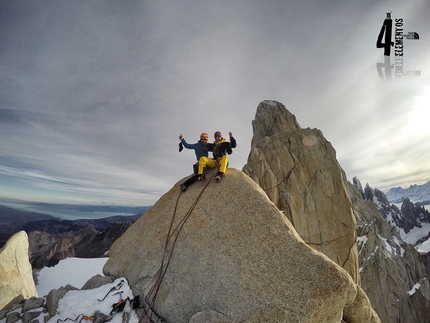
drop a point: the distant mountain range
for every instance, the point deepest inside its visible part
(415, 193)
(72, 211)
(52, 239)
(13, 220)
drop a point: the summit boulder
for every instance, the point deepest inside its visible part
(232, 256)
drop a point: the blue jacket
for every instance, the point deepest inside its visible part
(199, 148)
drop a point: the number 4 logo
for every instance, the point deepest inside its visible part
(387, 29)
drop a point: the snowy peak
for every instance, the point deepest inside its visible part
(415, 193)
(385, 260)
(410, 219)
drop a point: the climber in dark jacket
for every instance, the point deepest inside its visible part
(200, 149)
(220, 149)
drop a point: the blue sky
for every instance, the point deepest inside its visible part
(94, 94)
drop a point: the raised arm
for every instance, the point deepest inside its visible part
(186, 144)
(232, 140)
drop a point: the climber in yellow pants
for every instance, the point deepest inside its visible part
(220, 148)
(212, 163)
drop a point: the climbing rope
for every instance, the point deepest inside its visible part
(117, 287)
(78, 319)
(152, 294)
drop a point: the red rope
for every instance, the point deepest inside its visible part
(152, 294)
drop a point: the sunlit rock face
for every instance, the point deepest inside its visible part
(16, 277)
(237, 258)
(298, 170)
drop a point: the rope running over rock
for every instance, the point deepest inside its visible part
(152, 294)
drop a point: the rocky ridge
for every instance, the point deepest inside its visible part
(392, 271)
(415, 193)
(12, 221)
(411, 220)
(47, 249)
(52, 239)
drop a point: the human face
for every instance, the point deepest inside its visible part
(218, 138)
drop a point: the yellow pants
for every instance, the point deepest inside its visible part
(204, 161)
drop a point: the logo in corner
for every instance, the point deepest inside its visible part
(385, 40)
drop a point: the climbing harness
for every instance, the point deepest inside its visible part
(172, 236)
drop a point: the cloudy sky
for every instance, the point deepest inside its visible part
(94, 94)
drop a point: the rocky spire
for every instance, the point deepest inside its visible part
(272, 117)
(298, 170)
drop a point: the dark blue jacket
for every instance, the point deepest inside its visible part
(199, 148)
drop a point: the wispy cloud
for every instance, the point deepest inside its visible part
(93, 95)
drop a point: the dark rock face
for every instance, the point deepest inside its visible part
(381, 196)
(393, 274)
(11, 221)
(368, 193)
(52, 239)
(48, 249)
(409, 216)
(413, 215)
